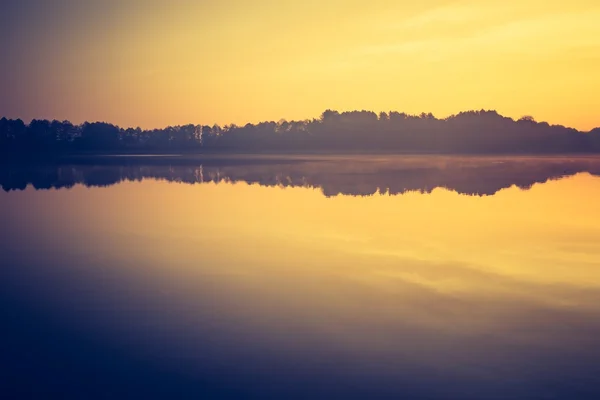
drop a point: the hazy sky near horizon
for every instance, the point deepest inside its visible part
(153, 63)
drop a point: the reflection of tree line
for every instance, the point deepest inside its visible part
(354, 131)
(474, 176)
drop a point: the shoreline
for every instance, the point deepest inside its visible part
(185, 158)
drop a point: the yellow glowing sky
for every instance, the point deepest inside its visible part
(156, 63)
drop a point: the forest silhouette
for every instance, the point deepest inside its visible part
(354, 175)
(479, 132)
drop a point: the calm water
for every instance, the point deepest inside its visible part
(380, 277)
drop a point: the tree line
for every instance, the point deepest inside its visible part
(354, 131)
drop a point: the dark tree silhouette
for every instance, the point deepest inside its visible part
(354, 131)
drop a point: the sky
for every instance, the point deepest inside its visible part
(153, 63)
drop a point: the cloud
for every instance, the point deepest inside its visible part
(463, 30)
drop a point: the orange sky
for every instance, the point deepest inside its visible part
(155, 63)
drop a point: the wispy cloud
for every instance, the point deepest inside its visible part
(534, 35)
(447, 14)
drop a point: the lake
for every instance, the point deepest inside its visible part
(417, 277)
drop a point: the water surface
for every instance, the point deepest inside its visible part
(358, 277)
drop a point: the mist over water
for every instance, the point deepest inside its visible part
(319, 277)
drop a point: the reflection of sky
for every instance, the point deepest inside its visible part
(419, 293)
